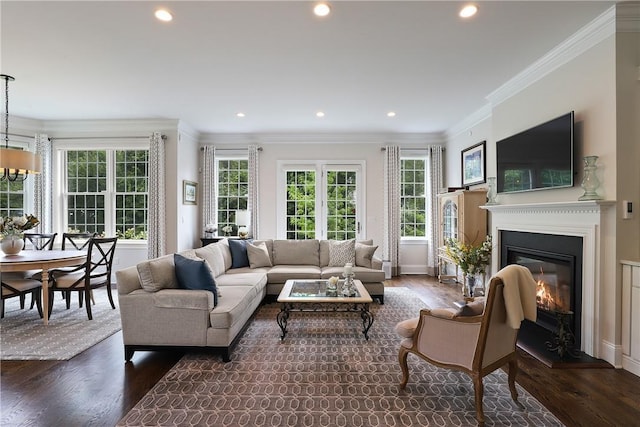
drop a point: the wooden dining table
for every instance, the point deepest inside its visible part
(45, 261)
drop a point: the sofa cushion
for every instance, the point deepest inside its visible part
(296, 252)
(213, 255)
(472, 308)
(239, 257)
(365, 275)
(282, 273)
(364, 254)
(233, 307)
(258, 255)
(342, 252)
(157, 273)
(195, 275)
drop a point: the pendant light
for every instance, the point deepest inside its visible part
(15, 164)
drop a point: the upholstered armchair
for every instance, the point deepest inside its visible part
(479, 338)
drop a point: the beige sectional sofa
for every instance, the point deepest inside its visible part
(157, 314)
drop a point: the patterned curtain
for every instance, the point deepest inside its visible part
(435, 182)
(157, 202)
(252, 204)
(209, 207)
(43, 182)
(392, 207)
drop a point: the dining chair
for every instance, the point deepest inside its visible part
(20, 287)
(40, 241)
(76, 241)
(21, 284)
(94, 273)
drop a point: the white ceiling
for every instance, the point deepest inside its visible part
(274, 61)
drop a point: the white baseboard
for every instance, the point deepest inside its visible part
(631, 365)
(612, 353)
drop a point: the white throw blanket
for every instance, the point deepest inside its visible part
(519, 294)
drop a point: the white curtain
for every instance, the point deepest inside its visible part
(43, 182)
(254, 191)
(157, 199)
(209, 207)
(392, 207)
(435, 182)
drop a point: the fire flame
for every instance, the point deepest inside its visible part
(546, 295)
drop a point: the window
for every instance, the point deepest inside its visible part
(413, 197)
(233, 189)
(320, 201)
(11, 198)
(106, 192)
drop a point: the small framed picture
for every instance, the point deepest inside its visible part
(189, 193)
(474, 164)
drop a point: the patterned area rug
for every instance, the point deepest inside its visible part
(326, 374)
(70, 332)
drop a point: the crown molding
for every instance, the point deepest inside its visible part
(584, 39)
(106, 128)
(472, 120)
(323, 138)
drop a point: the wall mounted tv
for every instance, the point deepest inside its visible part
(539, 158)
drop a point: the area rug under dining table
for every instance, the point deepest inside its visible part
(24, 336)
(324, 373)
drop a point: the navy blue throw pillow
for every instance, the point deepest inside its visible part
(239, 257)
(195, 275)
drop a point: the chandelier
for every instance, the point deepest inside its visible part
(15, 164)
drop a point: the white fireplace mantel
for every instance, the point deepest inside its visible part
(586, 219)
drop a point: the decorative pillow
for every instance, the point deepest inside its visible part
(239, 257)
(474, 308)
(258, 255)
(156, 274)
(342, 252)
(364, 254)
(195, 274)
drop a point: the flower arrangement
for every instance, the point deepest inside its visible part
(227, 229)
(17, 225)
(472, 259)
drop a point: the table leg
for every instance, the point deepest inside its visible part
(45, 296)
(367, 320)
(281, 318)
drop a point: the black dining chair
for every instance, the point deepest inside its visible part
(21, 284)
(94, 273)
(40, 241)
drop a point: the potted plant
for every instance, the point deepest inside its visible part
(12, 231)
(472, 259)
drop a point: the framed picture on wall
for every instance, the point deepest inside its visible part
(474, 164)
(189, 192)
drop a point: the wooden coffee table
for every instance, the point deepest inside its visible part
(311, 295)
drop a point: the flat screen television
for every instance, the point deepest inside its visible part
(539, 158)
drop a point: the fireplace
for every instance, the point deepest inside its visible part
(555, 261)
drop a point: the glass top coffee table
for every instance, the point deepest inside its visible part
(312, 295)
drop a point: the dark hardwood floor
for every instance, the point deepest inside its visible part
(97, 388)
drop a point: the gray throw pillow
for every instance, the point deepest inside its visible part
(258, 255)
(342, 252)
(364, 254)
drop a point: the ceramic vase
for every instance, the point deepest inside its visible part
(12, 245)
(491, 194)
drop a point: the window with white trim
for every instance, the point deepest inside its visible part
(320, 200)
(232, 189)
(105, 191)
(413, 197)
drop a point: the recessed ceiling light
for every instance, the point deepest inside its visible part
(391, 114)
(468, 11)
(164, 15)
(320, 114)
(322, 9)
(240, 114)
